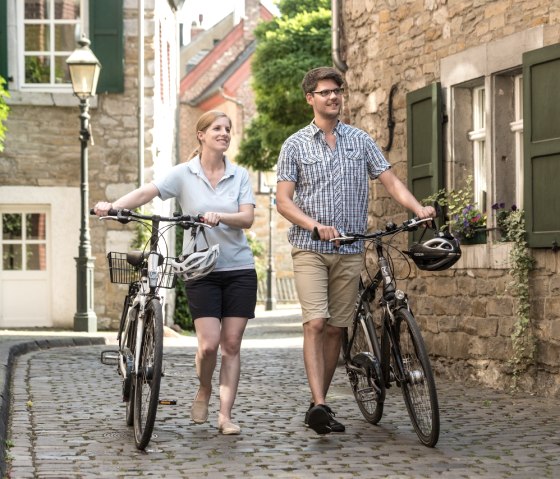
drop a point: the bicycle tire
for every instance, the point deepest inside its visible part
(148, 379)
(418, 386)
(362, 365)
(131, 344)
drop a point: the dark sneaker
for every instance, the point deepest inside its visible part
(307, 414)
(335, 425)
(319, 419)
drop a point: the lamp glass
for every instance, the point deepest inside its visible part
(84, 79)
(84, 71)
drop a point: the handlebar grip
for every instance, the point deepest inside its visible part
(315, 236)
(91, 211)
(113, 212)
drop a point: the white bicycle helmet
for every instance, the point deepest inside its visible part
(192, 264)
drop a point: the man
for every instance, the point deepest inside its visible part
(327, 165)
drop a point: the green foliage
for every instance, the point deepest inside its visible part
(521, 263)
(502, 219)
(463, 218)
(141, 237)
(287, 47)
(4, 109)
(36, 71)
(257, 248)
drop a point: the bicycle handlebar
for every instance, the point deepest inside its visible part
(125, 216)
(391, 228)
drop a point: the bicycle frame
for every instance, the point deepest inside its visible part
(140, 339)
(391, 350)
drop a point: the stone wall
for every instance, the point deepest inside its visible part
(467, 313)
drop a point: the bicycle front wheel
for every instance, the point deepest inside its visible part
(362, 364)
(128, 383)
(418, 385)
(147, 381)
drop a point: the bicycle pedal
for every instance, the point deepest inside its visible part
(168, 402)
(110, 357)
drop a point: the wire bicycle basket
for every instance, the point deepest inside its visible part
(122, 272)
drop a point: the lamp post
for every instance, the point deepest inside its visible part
(270, 183)
(84, 72)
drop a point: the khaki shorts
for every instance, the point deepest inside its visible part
(327, 285)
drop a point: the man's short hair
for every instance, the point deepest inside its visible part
(313, 77)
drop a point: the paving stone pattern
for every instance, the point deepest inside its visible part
(67, 421)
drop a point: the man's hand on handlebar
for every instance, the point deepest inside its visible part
(426, 212)
(325, 233)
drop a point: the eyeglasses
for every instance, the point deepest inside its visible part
(327, 93)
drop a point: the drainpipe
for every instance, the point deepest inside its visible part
(336, 34)
(140, 93)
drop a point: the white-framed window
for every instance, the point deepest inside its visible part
(478, 138)
(46, 32)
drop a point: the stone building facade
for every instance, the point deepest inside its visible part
(468, 49)
(134, 129)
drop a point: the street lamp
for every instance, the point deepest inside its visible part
(270, 184)
(84, 72)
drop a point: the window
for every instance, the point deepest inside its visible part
(23, 241)
(37, 36)
(49, 29)
(500, 125)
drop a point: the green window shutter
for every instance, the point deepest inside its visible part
(424, 119)
(4, 40)
(107, 42)
(541, 139)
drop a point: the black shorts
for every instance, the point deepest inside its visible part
(222, 294)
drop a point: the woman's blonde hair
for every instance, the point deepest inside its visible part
(203, 123)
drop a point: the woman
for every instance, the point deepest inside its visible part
(221, 302)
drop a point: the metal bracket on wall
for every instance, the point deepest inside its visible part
(390, 118)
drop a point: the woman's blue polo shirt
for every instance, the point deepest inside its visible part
(195, 194)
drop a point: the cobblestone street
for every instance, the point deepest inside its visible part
(67, 421)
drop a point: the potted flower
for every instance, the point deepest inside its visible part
(463, 218)
(469, 224)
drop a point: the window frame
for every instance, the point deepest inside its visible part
(24, 241)
(478, 138)
(487, 64)
(516, 127)
(16, 56)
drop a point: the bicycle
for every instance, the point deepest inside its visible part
(390, 350)
(139, 356)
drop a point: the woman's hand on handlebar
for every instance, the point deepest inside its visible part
(102, 208)
(211, 218)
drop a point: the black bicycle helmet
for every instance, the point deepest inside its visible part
(436, 254)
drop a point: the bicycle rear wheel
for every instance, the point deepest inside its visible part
(362, 365)
(418, 385)
(147, 381)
